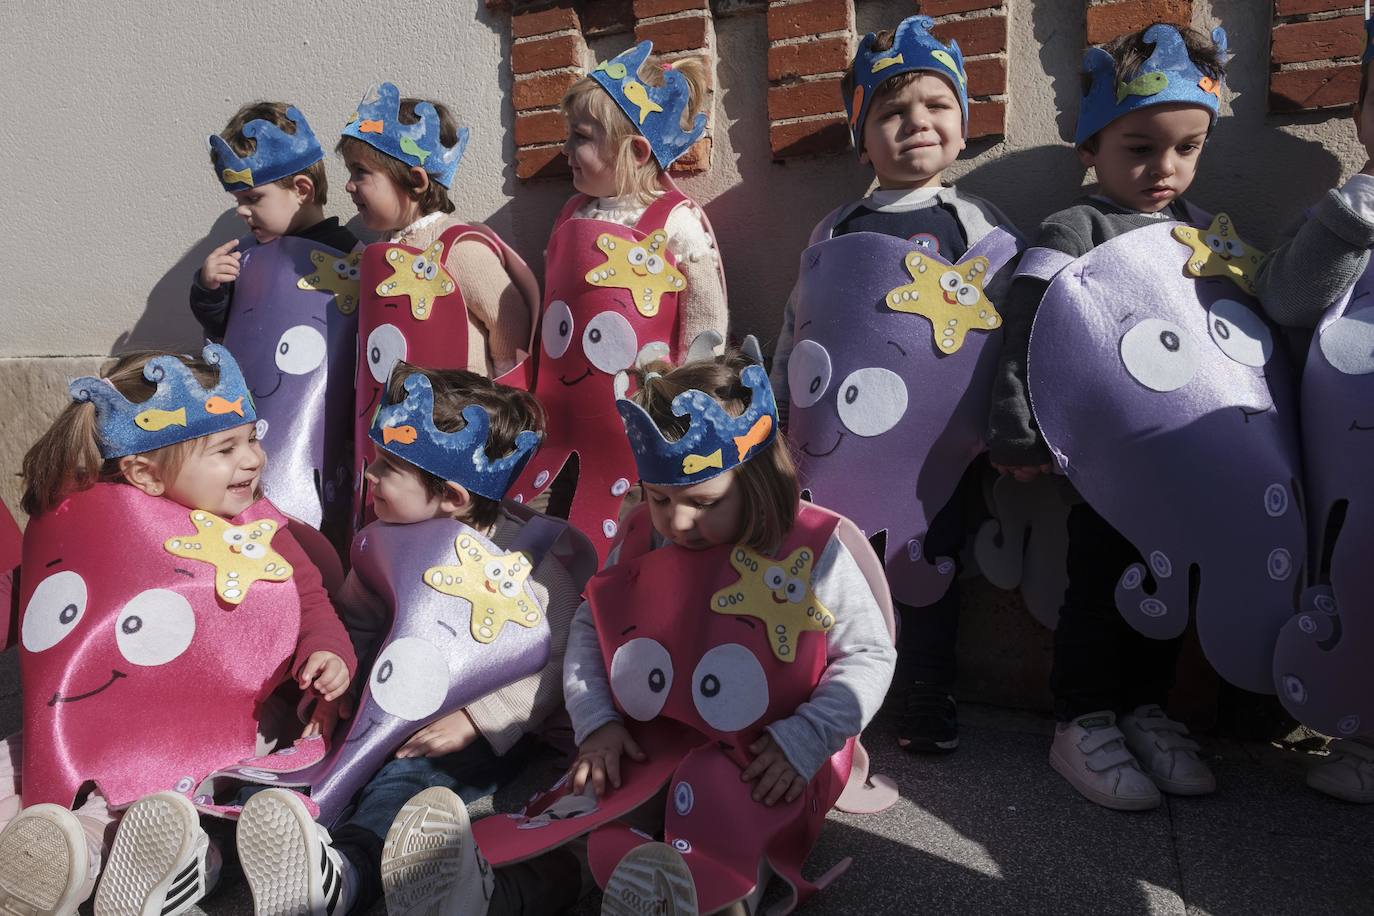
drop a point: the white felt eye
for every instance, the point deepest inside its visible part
(950, 280)
(1159, 354)
(808, 373)
(638, 256)
(234, 537)
(341, 267)
(300, 350)
(967, 295)
(1215, 243)
(409, 679)
(353, 272)
(493, 570)
(55, 608)
(1240, 333)
(796, 590)
(431, 270)
(254, 551)
(641, 676)
(654, 264)
(509, 588)
(1348, 343)
(729, 688)
(385, 345)
(773, 577)
(558, 328)
(871, 401)
(610, 342)
(1234, 248)
(155, 627)
(419, 265)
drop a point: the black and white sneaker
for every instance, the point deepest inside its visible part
(286, 857)
(158, 863)
(930, 721)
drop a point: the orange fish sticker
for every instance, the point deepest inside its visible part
(402, 434)
(757, 434)
(370, 127)
(856, 107)
(218, 405)
(1207, 84)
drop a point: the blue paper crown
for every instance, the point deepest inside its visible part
(377, 123)
(276, 154)
(460, 457)
(1368, 41)
(180, 408)
(1169, 75)
(655, 111)
(913, 48)
(714, 443)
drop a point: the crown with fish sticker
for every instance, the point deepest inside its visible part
(276, 153)
(377, 123)
(180, 409)
(1167, 76)
(406, 429)
(714, 442)
(913, 48)
(655, 111)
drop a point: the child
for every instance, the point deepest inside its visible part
(472, 749)
(438, 292)
(628, 120)
(1324, 264)
(151, 555)
(285, 304)
(745, 713)
(908, 108)
(1144, 142)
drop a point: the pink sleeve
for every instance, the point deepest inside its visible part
(321, 629)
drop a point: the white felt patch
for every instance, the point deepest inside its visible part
(808, 373)
(729, 688)
(641, 676)
(385, 345)
(871, 401)
(704, 346)
(55, 608)
(1348, 343)
(300, 350)
(155, 627)
(610, 342)
(1159, 354)
(557, 330)
(1240, 333)
(410, 679)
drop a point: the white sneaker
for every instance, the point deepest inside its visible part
(1090, 752)
(431, 865)
(44, 863)
(652, 880)
(158, 865)
(1163, 748)
(286, 857)
(1348, 774)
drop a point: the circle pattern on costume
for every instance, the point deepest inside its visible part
(385, 346)
(1275, 500)
(54, 609)
(1159, 354)
(260, 429)
(1348, 343)
(557, 329)
(610, 342)
(1279, 564)
(300, 350)
(1348, 725)
(155, 627)
(1293, 688)
(729, 688)
(808, 373)
(682, 845)
(410, 679)
(683, 798)
(1240, 333)
(620, 487)
(871, 401)
(641, 677)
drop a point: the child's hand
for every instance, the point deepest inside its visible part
(777, 780)
(221, 266)
(1022, 473)
(598, 758)
(325, 673)
(326, 715)
(452, 733)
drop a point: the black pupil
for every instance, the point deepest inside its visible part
(376, 354)
(595, 336)
(851, 394)
(284, 347)
(384, 673)
(563, 328)
(657, 680)
(710, 686)
(1223, 330)
(815, 384)
(132, 625)
(68, 614)
(1170, 341)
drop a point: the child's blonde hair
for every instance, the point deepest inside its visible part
(587, 98)
(273, 113)
(66, 459)
(434, 199)
(771, 492)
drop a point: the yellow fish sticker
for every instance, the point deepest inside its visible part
(944, 58)
(153, 420)
(695, 464)
(636, 93)
(613, 70)
(239, 176)
(883, 63)
(1146, 84)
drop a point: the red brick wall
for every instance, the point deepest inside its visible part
(1314, 57)
(1107, 19)
(810, 43)
(980, 27)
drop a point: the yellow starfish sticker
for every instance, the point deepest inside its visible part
(950, 297)
(241, 554)
(777, 593)
(1218, 251)
(639, 268)
(494, 583)
(421, 277)
(335, 275)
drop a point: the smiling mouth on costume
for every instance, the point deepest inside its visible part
(257, 396)
(1355, 427)
(371, 724)
(115, 674)
(370, 401)
(805, 447)
(576, 380)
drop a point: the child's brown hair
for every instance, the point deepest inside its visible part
(273, 113)
(66, 459)
(511, 410)
(771, 491)
(434, 198)
(587, 98)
